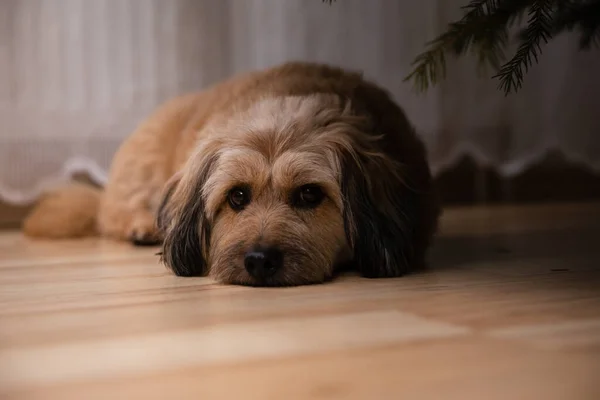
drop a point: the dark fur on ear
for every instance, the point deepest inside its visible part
(182, 220)
(382, 216)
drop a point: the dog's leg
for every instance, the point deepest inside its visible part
(130, 200)
(141, 168)
(139, 171)
(127, 214)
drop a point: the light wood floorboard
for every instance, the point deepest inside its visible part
(509, 310)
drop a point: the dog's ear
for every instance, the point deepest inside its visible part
(181, 218)
(380, 215)
(165, 208)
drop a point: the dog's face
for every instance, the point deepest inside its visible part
(275, 196)
(275, 220)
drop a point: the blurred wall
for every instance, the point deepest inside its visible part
(76, 76)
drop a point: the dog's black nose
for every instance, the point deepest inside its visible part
(263, 263)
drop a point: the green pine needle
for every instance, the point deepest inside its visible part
(483, 32)
(539, 29)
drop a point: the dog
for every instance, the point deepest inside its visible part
(275, 177)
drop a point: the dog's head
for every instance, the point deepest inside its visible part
(284, 192)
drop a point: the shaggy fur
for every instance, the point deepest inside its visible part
(273, 135)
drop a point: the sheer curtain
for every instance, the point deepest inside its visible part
(76, 76)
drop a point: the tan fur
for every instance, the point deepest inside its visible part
(273, 131)
(68, 212)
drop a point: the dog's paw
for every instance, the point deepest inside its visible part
(143, 231)
(144, 239)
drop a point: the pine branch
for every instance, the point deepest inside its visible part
(539, 29)
(483, 30)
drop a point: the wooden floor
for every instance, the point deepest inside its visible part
(511, 310)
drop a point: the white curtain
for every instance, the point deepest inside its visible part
(76, 76)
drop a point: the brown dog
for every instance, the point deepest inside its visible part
(274, 177)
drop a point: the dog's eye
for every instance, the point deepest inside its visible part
(308, 196)
(238, 197)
